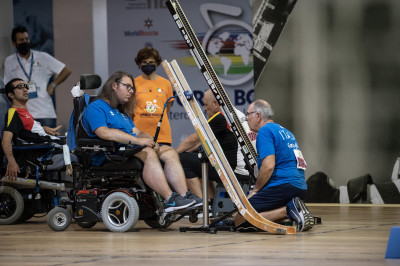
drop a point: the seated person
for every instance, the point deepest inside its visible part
(280, 184)
(108, 118)
(20, 126)
(190, 162)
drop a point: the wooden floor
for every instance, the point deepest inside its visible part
(348, 235)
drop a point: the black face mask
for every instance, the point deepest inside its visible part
(24, 48)
(148, 69)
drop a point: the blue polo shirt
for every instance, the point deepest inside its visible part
(100, 114)
(273, 139)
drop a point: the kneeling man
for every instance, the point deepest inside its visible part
(280, 183)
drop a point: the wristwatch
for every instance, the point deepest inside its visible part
(53, 85)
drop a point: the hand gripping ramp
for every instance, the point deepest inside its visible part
(216, 155)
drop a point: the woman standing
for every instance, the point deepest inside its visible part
(152, 91)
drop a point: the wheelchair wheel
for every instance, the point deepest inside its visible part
(86, 224)
(58, 219)
(120, 212)
(11, 205)
(67, 206)
(193, 218)
(155, 222)
(28, 212)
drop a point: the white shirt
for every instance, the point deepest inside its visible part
(241, 165)
(44, 67)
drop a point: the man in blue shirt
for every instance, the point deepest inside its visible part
(109, 118)
(280, 183)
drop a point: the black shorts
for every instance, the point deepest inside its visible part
(272, 198)
(192, 166)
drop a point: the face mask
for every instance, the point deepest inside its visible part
(148, 69)
(24, 48)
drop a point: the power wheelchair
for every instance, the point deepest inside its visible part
(114, 192)
(40, 188)
(42, 185)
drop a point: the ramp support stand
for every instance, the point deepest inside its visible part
(206, 220)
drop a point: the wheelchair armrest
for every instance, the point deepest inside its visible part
(61, 140)
(109, 146)
(96, 142)
(131, 150)
(35, 146)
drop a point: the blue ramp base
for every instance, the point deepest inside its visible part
(393, 247)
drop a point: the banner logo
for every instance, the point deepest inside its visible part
(229, 45)
(148, 23)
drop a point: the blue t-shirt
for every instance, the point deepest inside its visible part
(100, 114)
(274, 139)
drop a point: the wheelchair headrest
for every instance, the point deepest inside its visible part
(80, 105)
(90, 81)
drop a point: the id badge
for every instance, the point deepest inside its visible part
(301, 163)
(32, 90)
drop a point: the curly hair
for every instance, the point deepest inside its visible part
(148, 52)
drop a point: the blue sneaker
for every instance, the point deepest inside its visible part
(177, 202)
(298, 212)
(226, 222)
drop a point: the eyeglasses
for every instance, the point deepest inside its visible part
(149, 62)
(21, 86)
(249, 113)
(127, 86)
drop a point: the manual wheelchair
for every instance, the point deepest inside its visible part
(114, 192)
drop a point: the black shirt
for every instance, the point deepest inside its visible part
(225, 138)
(14, 124)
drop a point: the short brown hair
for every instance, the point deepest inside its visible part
(148, 52)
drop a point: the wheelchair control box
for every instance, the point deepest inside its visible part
(87, 206)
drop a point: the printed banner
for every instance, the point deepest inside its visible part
(224, 28)
(37, 17)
